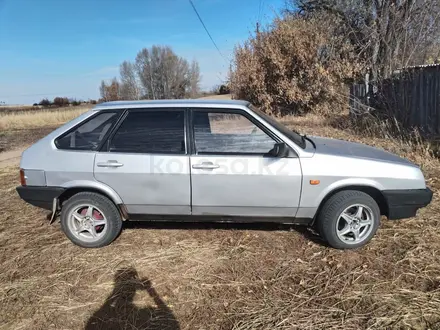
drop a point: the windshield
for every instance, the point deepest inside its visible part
(294, 136)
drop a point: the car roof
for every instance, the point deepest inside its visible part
(171, 104)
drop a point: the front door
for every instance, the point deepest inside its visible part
(231, 171)
(146, 163)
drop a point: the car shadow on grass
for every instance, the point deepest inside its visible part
(304, 231)
(120, 312)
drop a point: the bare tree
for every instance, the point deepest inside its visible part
(194, 80)
(111, 91)
(129, 85)
(157, 73)
(164, 75)
(144, 70)
(388, 34)
(102, 90)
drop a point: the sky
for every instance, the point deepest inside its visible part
(54, 48)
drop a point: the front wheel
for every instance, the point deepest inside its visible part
(349, 219)
(90, 220)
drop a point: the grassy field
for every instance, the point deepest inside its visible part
(40, 118)
(224, 276)
(21, 128)
(19, 107)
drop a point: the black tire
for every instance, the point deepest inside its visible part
(111, 213)
(328, 217)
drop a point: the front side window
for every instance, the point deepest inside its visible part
(229, 133)
(293, 135)
(151, 131)
(90, 134)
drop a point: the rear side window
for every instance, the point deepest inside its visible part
(151, 131)
(90, 134)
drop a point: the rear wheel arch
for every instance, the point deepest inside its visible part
(95, 186)
(375, 193)
(70, 192)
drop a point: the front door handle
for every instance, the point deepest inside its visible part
(205, 166)
(110, 163)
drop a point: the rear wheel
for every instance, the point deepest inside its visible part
(349, 219)
(90, 220)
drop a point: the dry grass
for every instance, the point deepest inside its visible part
(212, 277)
(34, 119)
(377, 134)
(13, 108)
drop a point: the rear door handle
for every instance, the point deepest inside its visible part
(205, 166)
(110, 163)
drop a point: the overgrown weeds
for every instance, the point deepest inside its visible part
(297, 65)
(371, 126)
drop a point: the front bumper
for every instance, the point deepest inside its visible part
(405, 203)
(40, 196)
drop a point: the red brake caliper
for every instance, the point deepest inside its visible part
(98, 216)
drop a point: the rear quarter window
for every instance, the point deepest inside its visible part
(89, 134)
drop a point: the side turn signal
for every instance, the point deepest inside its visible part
(22, 177)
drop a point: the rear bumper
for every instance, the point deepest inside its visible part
(40, 196)
(405, 203)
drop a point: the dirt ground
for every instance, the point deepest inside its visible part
(16, 139)
(223, 276)
(13, 143)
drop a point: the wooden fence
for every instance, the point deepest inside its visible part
(359, 99)
(412, 96)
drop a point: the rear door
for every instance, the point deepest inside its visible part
(73, 160)
(231, 171)
(145, 161)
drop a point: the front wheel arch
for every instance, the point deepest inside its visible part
(375, 193)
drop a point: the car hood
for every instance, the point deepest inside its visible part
(342, 148)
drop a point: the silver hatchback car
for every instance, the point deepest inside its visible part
(193, 160)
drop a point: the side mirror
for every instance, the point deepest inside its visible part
(279, 150)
